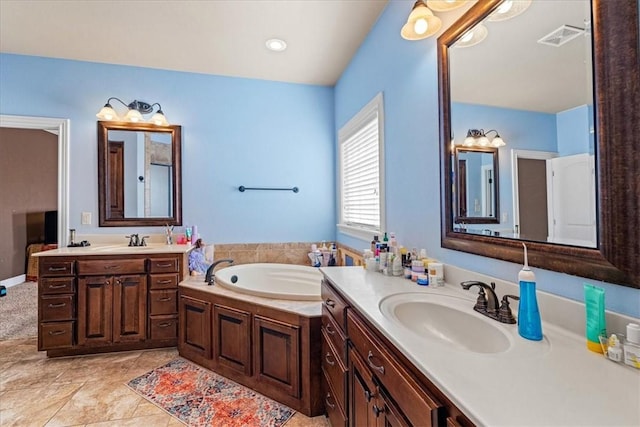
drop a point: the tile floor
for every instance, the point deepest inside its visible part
(84, 390)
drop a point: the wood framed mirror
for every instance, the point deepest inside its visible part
(139, 174)
(615, 257)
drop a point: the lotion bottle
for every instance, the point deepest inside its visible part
(529, 324)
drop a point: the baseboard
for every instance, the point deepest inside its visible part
(12, 281)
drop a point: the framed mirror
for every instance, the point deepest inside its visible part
(139, 174)
(483, 82)
(475, 190)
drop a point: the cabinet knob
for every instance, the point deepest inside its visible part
(377, 410)
(330, 303)
(58, 305)
(329, 404)
(372, 365)
(165, 299)
(368, 395)
(328, 358)
(328, 329)
(53, 333)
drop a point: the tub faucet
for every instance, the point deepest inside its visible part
(487, 302)
(208, 278)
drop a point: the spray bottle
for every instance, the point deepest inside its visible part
(529, 325)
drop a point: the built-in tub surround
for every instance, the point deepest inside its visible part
(280, 281)
(246, 253)
(550, 382)
(270, 345)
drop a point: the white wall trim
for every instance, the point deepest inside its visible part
(12, 281)
(62, 128)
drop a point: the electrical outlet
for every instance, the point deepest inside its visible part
(86, 218)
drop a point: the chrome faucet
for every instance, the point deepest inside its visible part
(487, 302)
(135, 240)
(209, 276)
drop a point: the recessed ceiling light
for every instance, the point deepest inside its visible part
(276, 45)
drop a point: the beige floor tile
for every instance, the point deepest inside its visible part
(34, 406)
(146, 408)
(105, 367)
(300, 420)
(174, 422)
(149, 360)
(147, 421)
(27, 374)
(96, 402)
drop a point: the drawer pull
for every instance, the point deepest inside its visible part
(328, 329)
(368, 395)
(328, 358)
(373, 365)
(330, 303)
(112, 267)
(329, 404)
(52, 333)
(59, 305)
(57, 268)
(165, 299)
(164, 324)
(57, 286)
(165, 265)
(377, 410)
(164, 282)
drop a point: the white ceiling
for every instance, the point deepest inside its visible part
(223, 37)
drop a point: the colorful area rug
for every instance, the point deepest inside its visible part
(199, 397)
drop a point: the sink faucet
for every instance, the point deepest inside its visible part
(487, 302)
(133, 239)
(208, 278)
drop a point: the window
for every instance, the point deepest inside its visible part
(361, 172)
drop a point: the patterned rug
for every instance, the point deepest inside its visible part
(199, 397)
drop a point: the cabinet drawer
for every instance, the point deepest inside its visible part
(334, 412)
(56, 285)
(163, 265)
(334, 370)
(334, 304)
(395, 379)
(163, 301)
(163, 328)
(57, 307)
(55, 335)
(53, 267)
(163, 281)
(335, 335)
(108, 267)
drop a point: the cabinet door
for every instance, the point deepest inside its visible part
(95, 303)
(130, 308)
(388, 413)
(276, 350)
(194, 338)
(362, 394)
(232, 339)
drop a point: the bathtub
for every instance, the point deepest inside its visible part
(279, 281)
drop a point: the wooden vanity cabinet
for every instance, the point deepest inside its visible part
(56, 304)
(90, 304)
(194, 337)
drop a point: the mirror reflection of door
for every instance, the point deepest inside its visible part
(462, 186)
(116, 178)
(532, 199)
(160, 190)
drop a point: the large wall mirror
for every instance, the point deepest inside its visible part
(139, 174)
(561, 85)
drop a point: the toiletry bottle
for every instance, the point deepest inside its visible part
(529, 324)
(596, 321)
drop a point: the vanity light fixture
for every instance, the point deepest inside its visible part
(509, 9)
(472, 37)
(478, 138)
(276, 45)
(134, 114)
(445, 5)
(422, 23)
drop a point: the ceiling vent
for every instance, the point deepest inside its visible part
(562, 35)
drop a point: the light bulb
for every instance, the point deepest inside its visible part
(505, 7)
(467, 37)
(133, 116)
(420, 26)
(483, 141)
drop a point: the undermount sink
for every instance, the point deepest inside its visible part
(448, 319)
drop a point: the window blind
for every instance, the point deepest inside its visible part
(361, 176)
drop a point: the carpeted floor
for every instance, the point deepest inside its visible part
(19, 312)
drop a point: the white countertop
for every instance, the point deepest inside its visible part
(553, 382)
(303, 308)
(116, 249)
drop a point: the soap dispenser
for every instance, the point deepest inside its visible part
(529, 325)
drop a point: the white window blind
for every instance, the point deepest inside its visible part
(361, 195)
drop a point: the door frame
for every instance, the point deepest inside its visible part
(515, 156)
(61, 128)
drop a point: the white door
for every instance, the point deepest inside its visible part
(571, 204)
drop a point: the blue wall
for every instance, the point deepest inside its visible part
(235, 132)
(573, 131)
(406, 72)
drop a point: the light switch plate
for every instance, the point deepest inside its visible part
(86, 218)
